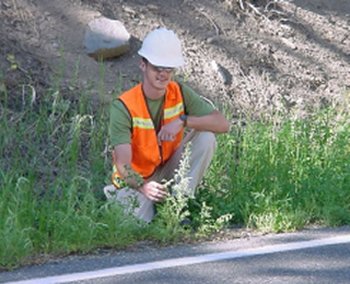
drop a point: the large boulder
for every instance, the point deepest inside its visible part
(106, 38)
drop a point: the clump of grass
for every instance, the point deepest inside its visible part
(181, 217)
(53, 167)
(284, 176)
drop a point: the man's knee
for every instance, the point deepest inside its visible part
(205, 142)
(133, 202)
(110, 192)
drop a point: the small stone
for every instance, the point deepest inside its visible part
(212, 39)
(288, 43)
(129, 10)
(151, 7)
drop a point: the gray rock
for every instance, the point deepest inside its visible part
(106, 38)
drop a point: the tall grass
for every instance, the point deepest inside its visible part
(54, 163)
(53, 167)
(284, 176)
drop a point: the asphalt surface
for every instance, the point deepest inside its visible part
(310, 256)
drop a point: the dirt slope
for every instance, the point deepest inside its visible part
(259, 56)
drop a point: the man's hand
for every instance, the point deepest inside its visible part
(154, 191)
(169, 131)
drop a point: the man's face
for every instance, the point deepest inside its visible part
(156, 76)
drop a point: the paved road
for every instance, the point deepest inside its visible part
(311, 256)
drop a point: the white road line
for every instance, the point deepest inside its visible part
(183, 261)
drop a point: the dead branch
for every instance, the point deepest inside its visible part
(210, 19)
(273, 2)
(251, 6)
(241, 4)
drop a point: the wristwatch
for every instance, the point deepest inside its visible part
(183, 118)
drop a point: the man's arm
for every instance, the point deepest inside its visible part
(122, 155)
(122, 160)
(214, 122)
(202, 114)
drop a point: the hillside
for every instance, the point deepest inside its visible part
(259, 56)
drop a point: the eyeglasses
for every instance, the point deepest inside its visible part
(161, 69)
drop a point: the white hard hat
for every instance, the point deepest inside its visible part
(161, 47)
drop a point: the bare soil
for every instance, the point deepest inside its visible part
(259, 56)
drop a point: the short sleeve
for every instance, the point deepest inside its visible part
(119, 124)
(195, 104)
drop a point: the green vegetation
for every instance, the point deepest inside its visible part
(54, 163)
(286, 176)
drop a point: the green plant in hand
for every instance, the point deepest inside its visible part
(167, 225)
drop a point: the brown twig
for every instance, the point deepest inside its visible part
(251, 6)
(210, 19)
(241, 4)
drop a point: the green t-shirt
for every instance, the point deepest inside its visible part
(120, 121)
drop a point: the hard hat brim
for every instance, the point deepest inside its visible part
(179, 62)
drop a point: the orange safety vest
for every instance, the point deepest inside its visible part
(147, 154)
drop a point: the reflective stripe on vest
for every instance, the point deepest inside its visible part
(140, 122)
(147, 155)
